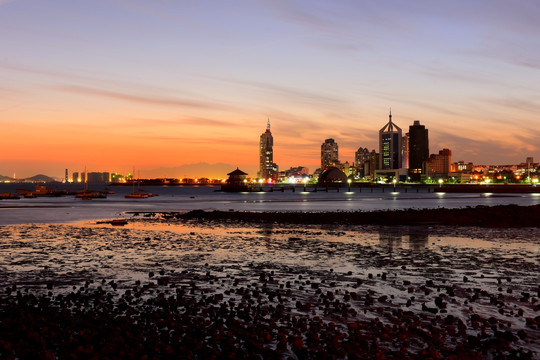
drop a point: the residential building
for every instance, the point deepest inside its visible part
(361, 158)
(439, 164)
(329, 154)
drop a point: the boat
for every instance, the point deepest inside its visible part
(86, 194)
(9, 195)
(118, 222)
(139, 194)
(89, 195)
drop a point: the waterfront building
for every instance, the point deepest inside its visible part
(332, 175)
(361, 158)
(299, 171)
(390, 149)
(329, 154)
(373, 164)
(98, 178)
(236, 182)
(418, 150)
(439, 164)
(75, 177)
(390, 153)
(267, 168)
(405, 151)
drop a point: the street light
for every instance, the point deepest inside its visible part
(305, 182)
(440, 183)
(394, 182)
(349, 181)
(535, 181)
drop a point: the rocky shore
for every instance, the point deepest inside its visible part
(166, 288)
(501, 216)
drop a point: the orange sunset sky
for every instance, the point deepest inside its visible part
(157, 85)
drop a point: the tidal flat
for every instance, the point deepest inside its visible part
(169, 288)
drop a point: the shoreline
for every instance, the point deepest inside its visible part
(202, 289)
(499, 216)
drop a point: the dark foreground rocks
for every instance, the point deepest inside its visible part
(258, 322)
(484, 216)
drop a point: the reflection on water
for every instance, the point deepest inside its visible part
(417, 238)
(266, 230)
(67, 209)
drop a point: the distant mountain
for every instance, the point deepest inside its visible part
(198, 170)
(6, 178)
(39, 178)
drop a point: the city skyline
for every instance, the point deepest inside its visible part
(112, 85)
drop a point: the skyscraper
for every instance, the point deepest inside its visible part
(390, 146)
(329, 154)
(418, 150)
(267, 168)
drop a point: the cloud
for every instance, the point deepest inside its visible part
(39, 71)
(516, 104)
(401, 99)
(510, 148)
(202, 141)
(198, 121)
(150, 100)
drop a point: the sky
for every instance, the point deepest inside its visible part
(172, 87)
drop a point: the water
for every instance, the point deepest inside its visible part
(67, 209)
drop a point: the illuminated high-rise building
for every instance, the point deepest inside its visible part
(329, 154)
(418, 150)
(390, 149)
(361, 156)
(267, 168)
(439, 164)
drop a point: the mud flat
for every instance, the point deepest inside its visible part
(161, 287)
(484, 216)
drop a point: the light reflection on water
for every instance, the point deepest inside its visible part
(68, 209)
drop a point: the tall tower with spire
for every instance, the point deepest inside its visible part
(267, 168)
(390, 146)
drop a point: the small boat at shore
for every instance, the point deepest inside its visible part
(137, 195)
(89, 195)
(9, 195)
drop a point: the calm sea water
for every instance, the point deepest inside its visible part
(68, 209)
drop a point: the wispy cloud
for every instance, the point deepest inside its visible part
(200, 141)
(288, 93)
(143, 99)
(194, 120)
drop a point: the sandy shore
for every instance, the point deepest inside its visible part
(162, 287)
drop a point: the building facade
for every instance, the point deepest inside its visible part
(418, 150)
(390, 149)
(268, 170)
(439, 164)
(329, 154)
